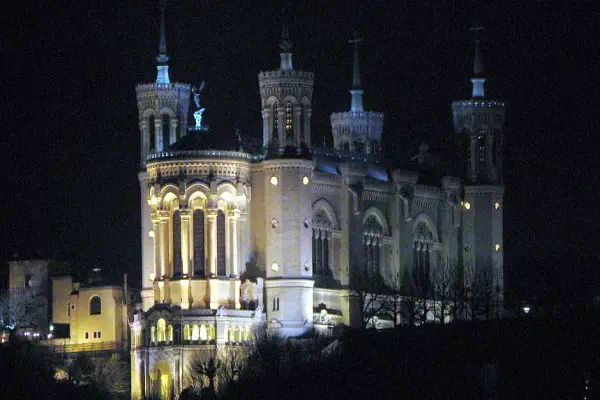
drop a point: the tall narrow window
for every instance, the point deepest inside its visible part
(289, 122)
(322, 226)
(161, 330)
(302, 122)
(275, 121)
(481, 148)
(152, 133)
(221, 266)
(423, 239)
(177, 262)
(372, 236)
(166, 131)
(95, 306)
(198, 242)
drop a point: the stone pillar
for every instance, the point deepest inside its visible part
(185, 293)
(233, 243)
(158, 134)
(281, 126)
(473, 157)
(297, 126)
(267, 126)
(185, 241)
(157, 251)
(173, 133)
(211, 222)
(307, 114)
(145, 138)
(164, 244)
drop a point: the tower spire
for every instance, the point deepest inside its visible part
(162, 59)
(285, 44)
(478, 79)
(356, 90)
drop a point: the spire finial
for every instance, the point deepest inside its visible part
(356, 90)
(285, 44)
(162, 58)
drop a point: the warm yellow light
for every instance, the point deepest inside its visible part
(151, 233)
(274, 180)
(497, 247)
(151, 276)
(467, 205)
(496, 205)
(305, 180)
(275, 266)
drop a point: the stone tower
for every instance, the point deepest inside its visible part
(282, 195)
(163, 113)
(357, 130)
(480, 122)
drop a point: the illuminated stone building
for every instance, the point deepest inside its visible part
(233, 240)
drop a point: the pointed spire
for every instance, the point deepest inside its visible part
(285, 44)
(356, 91)
(162, 75)
(478, 79)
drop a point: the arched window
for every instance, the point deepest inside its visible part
(161, 330)
(211, 332)
(289, 123)
(170, 330)
(153, 334)
(481, 154)
(372, 240)
(166, 131)
(95, 306)
(203, 333)
(186, 332)
(423, 240)
(151, 133)
(322, 243)
(221, 268)
(198, 242)
(275, 114)
(195, 332)
(177, 262)
(302, 127)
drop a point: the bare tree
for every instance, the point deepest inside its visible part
(23, 308)
(444, 289)
(369, 294)
(393, 301)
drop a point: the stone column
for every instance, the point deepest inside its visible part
(473, 156)
(164, 244)
(267, 126)
(145, 138)
(157, 251)
(158, 144)
(211, 222)
(173, 133)
(185, 243)
(233, 243)
(307, 113)
(281, 126)
(297, 126)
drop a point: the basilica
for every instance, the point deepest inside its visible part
(234, 240)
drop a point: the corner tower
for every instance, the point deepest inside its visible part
(357, 130)
(286, 95)
(163, 113)
(282, 195)
(480, 122)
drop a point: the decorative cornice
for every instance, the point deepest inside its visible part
(274, 165)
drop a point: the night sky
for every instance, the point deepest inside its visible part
(70, 139)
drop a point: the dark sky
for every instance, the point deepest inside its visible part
(70, 142)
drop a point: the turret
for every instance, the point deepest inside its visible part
(357, 131)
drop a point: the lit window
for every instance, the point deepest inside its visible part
(496, 205)
(305, 180)
(95, 305)
(195, 333)
(497, 247)
(274, 180)
(203, 333)
(467, 205)
(275, 266)
(289, 128)
(161, 330)
(186, 332)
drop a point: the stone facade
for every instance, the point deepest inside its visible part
(233, 241)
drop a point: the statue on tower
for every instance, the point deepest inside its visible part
(197, 90)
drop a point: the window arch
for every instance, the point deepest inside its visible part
(152, 133)
(161, 330)
(166, 130)
(221, 266)
(198, 219)
(195, 332)
(372, 241)
(423, 245)
(177, 262)
(186, 332)
(203, 333)
(289, 122)
(322, 243)
(95, 305)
